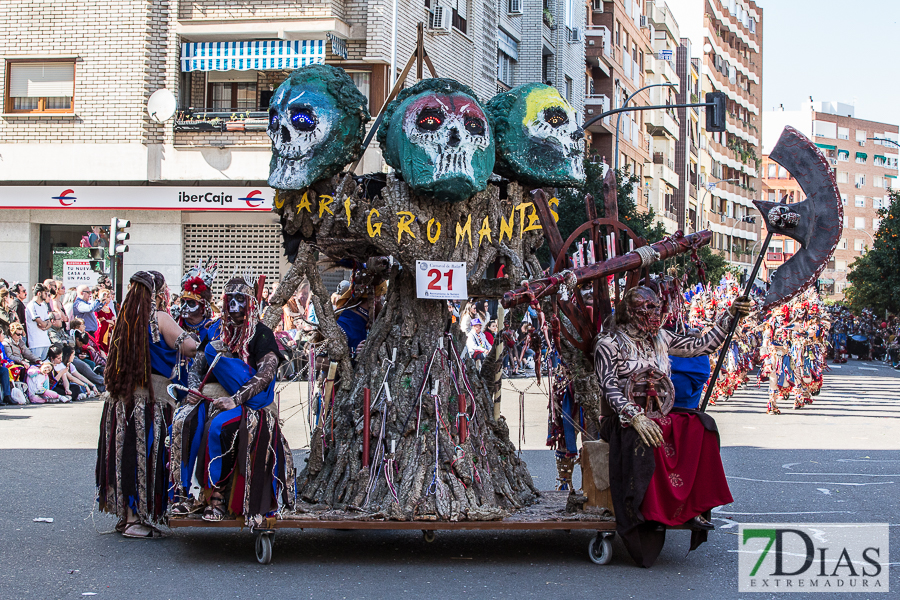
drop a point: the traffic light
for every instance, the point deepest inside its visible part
(98, 265)
(118, 236)
(715, 114)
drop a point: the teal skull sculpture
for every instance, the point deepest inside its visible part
(538, 138)
(437, 136)
(317, 120)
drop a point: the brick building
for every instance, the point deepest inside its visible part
(79, 147)
(865, 168)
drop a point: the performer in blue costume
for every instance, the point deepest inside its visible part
(190, 419)
(246, 466)
(689, 375)
(146, 351)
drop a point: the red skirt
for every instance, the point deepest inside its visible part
(689, 478)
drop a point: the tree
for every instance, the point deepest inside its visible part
(714, 266)
(874, 277)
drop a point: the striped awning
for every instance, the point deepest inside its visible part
(271, 55)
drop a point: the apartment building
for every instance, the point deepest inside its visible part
(78, 146)
(618, 44)
(726, 36)
(864, 157)
(542, 40)
(778, 184)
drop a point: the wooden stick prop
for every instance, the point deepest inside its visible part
(462, 418)
(367, 422)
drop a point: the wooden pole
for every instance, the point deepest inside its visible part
(367, 422)
(461, 420)
(420, 51)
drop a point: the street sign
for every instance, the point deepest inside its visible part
(78, 272)
(441, 280)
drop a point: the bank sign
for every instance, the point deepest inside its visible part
(813, 557)
(184, 197)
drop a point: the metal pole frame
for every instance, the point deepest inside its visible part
(619, 116)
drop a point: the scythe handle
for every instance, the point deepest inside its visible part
(734, 324)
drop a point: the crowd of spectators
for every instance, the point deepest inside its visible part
(53, 344)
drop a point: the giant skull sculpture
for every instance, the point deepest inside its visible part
(538, 138)
(317, 121)
(437, 136)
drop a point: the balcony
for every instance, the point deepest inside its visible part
(594, 104)
(664, 169)
(598, 50)
(662, 18)
(661, 67)
(217, 128)
(660, 122)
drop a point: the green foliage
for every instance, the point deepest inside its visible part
(874, 277)
(715, 266)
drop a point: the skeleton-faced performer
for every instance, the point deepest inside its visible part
(317, 120)
(437, 136)
(196, 313)
(664, 463)
(245, 467)
(538, 138)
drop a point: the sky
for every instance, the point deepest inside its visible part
(833, 50)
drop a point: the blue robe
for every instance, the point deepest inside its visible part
(689, 375)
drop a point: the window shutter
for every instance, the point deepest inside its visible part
(41, 80)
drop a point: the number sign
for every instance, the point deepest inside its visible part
(441, 280)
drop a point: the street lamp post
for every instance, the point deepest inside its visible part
(871, 237)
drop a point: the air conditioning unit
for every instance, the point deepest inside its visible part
(575, 35)
(861, 142)
(833, 161)
(441, 19)
(645, 22)
(515, 7)
(858, 185)
(597, 6)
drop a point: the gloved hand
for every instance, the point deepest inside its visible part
(740, 308)
(648, 430)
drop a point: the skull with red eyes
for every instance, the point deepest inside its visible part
(437, 136)
(642, 310)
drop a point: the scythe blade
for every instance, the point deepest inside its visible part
(816, 223)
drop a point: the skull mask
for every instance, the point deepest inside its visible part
(437, 136)
(317, 120)
(236, 307)
(538, 138)
(642, 310)
(783, 217)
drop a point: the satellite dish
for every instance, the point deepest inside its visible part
(161, 105)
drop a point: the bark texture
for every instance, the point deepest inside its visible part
(430, 474)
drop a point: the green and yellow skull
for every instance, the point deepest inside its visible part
(437, 136)
(539, 141)
(317, 120)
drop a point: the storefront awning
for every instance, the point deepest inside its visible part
(274, 55)
(826, 146)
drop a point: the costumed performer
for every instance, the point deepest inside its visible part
(146, 351)
(246, 467)
(664, 467)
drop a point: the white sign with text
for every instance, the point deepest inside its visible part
(78, 272)
(441, 280)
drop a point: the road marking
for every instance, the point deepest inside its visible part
(843, 474)
(812, 482)
(868, 460)
(788, 465)
(867, 368)
(824, 491)
(722, 509)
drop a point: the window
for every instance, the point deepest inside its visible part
(40, 87)
(860, 158)
(231, 91)
(878, 182)
(859, 222)
(859, 245)
(843, 155)
(877, 203)
(844, 199)
(460, 14)
(515, 7)
(843, 133)
(860, 201)
(773, 170)
(842, 245)
(840, 265)
(363, 81)
(876, 223)
(568, 89)
(860, 179)
(846, 221)
(505, 68)
(773, 197)
(843, 177)
(861, 136)
(789, 246)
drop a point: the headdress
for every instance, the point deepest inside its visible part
(197, 282)
(237, 338)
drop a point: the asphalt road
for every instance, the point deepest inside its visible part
(835, 461)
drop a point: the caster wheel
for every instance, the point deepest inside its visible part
(429, 535)
(264, 548)
(600, 549)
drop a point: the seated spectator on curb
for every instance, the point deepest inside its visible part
(6, 370)
(15, 347)
(39, 385)
(57, 332)
(60, 380)
(76, 378)
(477, 344)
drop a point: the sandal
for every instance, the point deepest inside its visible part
(184, 508)
(122, 524)
(214, 511)
(137, 530)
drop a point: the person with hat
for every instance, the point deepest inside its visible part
(477, 343)
(196, 300)
(37, 322)
(353, 310)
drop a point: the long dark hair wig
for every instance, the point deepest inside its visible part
(128, 362)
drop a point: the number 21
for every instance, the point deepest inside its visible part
(435, 283)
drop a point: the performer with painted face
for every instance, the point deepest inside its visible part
(664, 463)
(146, 352)
(196, 300)
(246, 467)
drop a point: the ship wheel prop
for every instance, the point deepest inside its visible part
(587, 260)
